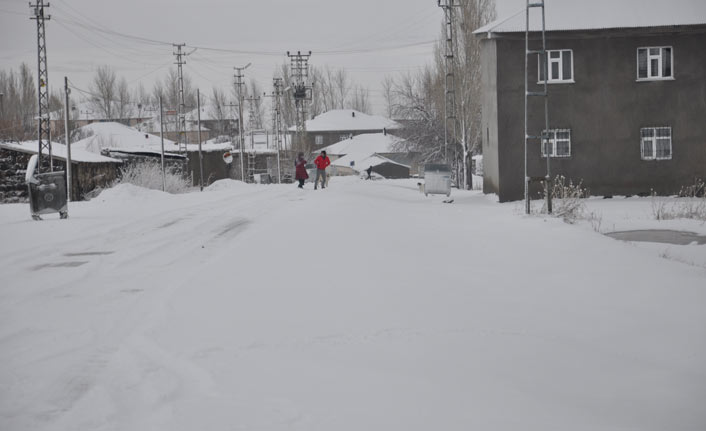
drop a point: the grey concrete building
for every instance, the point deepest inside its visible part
(627, 105)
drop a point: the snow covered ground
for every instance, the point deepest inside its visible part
(364, 306)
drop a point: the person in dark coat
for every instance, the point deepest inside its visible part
(300, 174)
(370, 172)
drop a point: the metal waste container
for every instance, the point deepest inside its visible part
(437, 179)
(47, 192)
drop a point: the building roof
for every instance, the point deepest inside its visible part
(362, 147)
(78, 155)
(378, 159)
(367, 143)
(568, 15)
(115, 136)
(345, 120)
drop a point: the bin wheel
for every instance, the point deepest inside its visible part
(63, 215)
(36, 217)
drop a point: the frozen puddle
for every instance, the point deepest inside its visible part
(664, 236)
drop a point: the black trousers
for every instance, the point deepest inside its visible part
(301, 183)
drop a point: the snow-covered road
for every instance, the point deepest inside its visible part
(364, 306)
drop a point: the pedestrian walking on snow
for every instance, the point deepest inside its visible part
(321, 163)
(300, 173)
(370, 172)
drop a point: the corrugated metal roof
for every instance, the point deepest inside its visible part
(571, 15)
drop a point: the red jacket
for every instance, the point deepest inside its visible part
(322, 162)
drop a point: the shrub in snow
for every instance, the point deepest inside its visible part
(691, 204)
(148, 174)
(567, 199)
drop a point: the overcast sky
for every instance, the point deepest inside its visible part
(370, 38)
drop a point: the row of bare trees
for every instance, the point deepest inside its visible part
(110, 97)
(420, 97)
(18, 104)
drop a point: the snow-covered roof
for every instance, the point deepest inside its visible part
(78, 155)
(361, 147)
(347, 120)
(377, 159)
(367, 143)
(119, 137)
(570, 15)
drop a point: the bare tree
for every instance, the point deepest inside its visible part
(19, 104)
(256, 108)
(219, 111)
(420, 98)
(123, 102)
(104, 89)
(387, 93)
(360, 100)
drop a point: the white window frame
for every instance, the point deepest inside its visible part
(652, 141)
(560, 60)
(660, 60)
(319, 140)
(553, 141)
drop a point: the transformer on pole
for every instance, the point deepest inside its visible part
(302, 94)
(44, 130)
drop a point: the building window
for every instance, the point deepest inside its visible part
(655, 63)
(560, 64)
(344, 137)
(656, 143)
(319, 140)
(559, 143)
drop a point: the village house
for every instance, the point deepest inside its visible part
(626, 102)
(340, 124)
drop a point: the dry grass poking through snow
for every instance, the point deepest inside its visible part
(691, 204)
(149, 175)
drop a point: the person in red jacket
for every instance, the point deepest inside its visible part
(321, 163)
(301, 175)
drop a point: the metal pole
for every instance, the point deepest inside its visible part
(198, 109)
(548, 178)
(527, 200)
(68, 139)
(161, 138)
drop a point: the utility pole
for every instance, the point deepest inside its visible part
(277, 122)
(299, 71)
(181, 119)
(44, 135)
(198, 110)
(252, 105)
(239, 83)
(67, 132)
(449, 7)
(161, 138)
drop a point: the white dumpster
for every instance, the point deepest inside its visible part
(437, 179)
